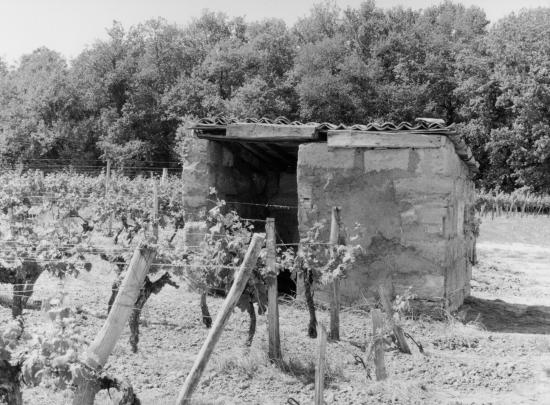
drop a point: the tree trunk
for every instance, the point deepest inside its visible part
(252, 326)
(206, 318)
(308, 281)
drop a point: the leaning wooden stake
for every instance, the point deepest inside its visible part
(335, 287)
(274, 351)
(97, 354)
(377, 328)
(164, 176)
(239, 284)
(320, 366)
(397, 329)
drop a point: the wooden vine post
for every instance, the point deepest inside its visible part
(274, 351)
(97, 354)
(377, 328)
(182, 181)
(107, 187)
(239, 284)
(107, 177)
(155, 213)
(320, 365)
(164, 175)
(335, 239)
(397, 329)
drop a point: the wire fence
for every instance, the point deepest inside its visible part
(95, 167)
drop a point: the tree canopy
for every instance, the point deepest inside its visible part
(124, 98)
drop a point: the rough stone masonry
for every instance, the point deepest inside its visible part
(412, 205)
(410, 192)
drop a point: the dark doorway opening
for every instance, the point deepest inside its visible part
(258, 180)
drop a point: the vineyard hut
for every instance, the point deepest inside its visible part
(407, 186)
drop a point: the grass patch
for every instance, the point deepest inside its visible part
(304, 370)
(241, 364)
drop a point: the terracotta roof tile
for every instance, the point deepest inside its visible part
(421, 124)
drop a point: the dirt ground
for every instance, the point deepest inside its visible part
(492, 352)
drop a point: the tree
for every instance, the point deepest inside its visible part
(36, 102)
(520, 52)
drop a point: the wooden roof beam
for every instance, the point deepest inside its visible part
(282, 158)
(260, 155)
(272, 132)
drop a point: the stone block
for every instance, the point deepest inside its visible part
(440, 162)
(318, 155)
(195, 201)
(409, 217)
(385, 159)
(194, 233)
(433, 250)
(422, 285)
(422, 188)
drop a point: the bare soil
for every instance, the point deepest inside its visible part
(496, 350)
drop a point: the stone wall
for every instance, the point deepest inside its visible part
(411, 206)
(196, 176)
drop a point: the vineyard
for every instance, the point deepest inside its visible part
(63, 224)
(518, 202)
(83, 255)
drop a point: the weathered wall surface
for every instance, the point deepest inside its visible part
(196, 176)
(410, 204)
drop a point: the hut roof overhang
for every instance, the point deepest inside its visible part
(274, 137)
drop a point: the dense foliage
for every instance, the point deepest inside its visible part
(124, 98)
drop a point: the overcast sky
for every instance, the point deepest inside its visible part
(67, 26)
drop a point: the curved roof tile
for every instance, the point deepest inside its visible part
(421, 124)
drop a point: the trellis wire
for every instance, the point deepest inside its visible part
(38, 261)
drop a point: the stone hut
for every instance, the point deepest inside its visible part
(407, 185)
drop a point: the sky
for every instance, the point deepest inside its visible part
(68, 26)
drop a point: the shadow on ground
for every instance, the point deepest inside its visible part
(501, 316)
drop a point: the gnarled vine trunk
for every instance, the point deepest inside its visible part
(128, 395)
(252, 327)
(206, 318)
(308, 283)
(149, 287)
(10, 386)
(23, 285)
(114, 291)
